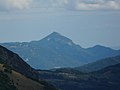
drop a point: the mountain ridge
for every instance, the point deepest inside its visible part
(99, 64)
(58, 51)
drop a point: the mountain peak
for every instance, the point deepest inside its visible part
(102, 47)
(99, 47)
(55, 33)
(55, 36)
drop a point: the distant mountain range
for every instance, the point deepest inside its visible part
(16, 74)
(100, 64)
(57, 51)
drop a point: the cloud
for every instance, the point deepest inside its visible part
(8, 5)
(49, 3)
(80, 4)
(98, 5)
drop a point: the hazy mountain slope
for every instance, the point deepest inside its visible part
(18, 74)
(100, 64)
(56, 50)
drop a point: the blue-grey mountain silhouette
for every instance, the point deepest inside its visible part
(55, 51)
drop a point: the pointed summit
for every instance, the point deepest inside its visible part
(56, 37)
(55, 33)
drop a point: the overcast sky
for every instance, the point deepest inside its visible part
(86, 22)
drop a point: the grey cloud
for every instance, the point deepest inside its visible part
(6, 5)
(81, 4)
(98, 5)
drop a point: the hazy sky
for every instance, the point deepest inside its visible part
(86, 22)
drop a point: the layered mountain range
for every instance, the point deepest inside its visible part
(107, 78)
(16, 74)
(58, 51)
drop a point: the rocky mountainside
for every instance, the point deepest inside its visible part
(16, 74)
(56, 50)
